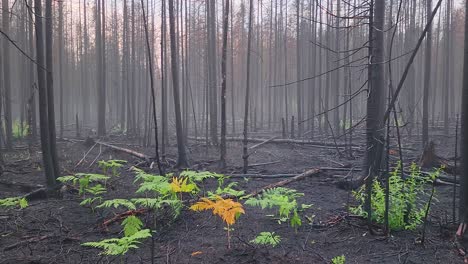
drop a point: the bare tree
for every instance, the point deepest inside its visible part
(7, 75)
(213, 84)
(224, 84)
(182, 155)
(463, 213)
(49, 170)
(245, 154)
(375, 99)
(427, 78)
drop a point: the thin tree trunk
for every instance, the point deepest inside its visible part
(427, 79)
(245, 155)
(182, 155)
(7, 75)
(223, 85)
(42, 87)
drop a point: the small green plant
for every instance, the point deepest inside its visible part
(406, 199)
(110, 167)
(339, 260)
(228, 190)
(20, 130)
(284, 200)
(267, 239)
(14, 202)
(131, 225)
(84, 181)
(195, 176)
(120, 246)
(96, 192)
(116, 203)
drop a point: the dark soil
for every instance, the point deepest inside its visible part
(51, 231)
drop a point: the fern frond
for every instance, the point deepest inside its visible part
(267, 238)
(132, 225)
(117, 203)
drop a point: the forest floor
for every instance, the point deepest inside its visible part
(51, 231)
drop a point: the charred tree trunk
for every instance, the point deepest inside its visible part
(42, 87)
(223, 85)
(245, 154)
(375, 99)
(182, 155)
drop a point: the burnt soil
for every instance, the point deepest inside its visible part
(51, 230)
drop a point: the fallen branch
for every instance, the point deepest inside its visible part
(264, 142)
(264, 163)
(125, 150)
(123, 215)
(22, 186)
(301, 176)
(35, 240)
(290, 141)
(85, 155)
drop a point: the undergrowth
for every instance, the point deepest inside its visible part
(407, 199)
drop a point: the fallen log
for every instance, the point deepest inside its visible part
(301, 176)
(23, 187)
(318, 144)
(37, 239)
(125, 150)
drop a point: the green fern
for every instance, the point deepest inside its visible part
(406, 199)
(120, 246)
(131, 225)
(195, 176)
(14, 202)
(229, 190)
(83, 180)
(117, 203)
(111, 166)
(284, 200)
(339, 260)
(267, 239)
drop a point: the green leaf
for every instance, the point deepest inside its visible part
(132, 225)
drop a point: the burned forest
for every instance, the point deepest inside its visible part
(233, 131)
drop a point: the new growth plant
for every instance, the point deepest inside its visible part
(110, 167)
(267, 239)
(284, 200)
(227, 209)
(407, 199)
(19, 129)
(339, 260)
(14, 202)
(120, 246)
(87, 184)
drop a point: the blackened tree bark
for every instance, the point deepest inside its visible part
(427, 79)
(100, 82)
(223, 84)
(182, 155)
(6, 74)
(42, 87)
(164, 123)
(375, 98)
(213, 84)
(61, 64)
(153, 96)
(50, 86)
(463, 213)
(299, 69)
(245, 154)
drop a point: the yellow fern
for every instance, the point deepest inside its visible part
(181, 185)
(227, 209)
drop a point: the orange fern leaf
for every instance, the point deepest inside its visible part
(227, 209)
